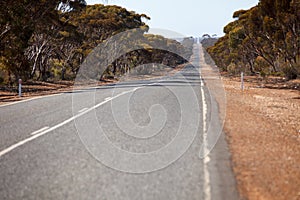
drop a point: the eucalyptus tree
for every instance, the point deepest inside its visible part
(268, 31)
(18, 22)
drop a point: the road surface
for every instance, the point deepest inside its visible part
(49, 147)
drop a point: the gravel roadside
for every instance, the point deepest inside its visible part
(263, 132)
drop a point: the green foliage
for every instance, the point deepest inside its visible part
(291, 72)
(261, 65)
(154, 49)
(19, 21)
(239, 13)
(50, 39)
(269, 31)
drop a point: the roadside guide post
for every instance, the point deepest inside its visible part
(20, 87)
(242, 81)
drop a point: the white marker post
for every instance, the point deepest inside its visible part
(20, 87)
(242, 81)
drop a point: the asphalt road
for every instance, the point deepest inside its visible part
(131, 140)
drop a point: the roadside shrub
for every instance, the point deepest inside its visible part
(261, 65)
(3, 76)
(291, 72)
(233, 69)
(280, 74)
(145, 69)
(56, 72)
(68, 74)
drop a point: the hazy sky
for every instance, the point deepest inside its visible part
(187, 17)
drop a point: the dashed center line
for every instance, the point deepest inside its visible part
(46, 130)
(82, 110)
(107, 98)
(40, 130)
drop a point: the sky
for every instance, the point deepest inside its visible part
(185, 17)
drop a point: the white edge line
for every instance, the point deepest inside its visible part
(39, 134)
(14, 146)
(40, 130)
(206, 159)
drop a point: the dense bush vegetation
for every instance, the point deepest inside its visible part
(264, 39)
(48, 40)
